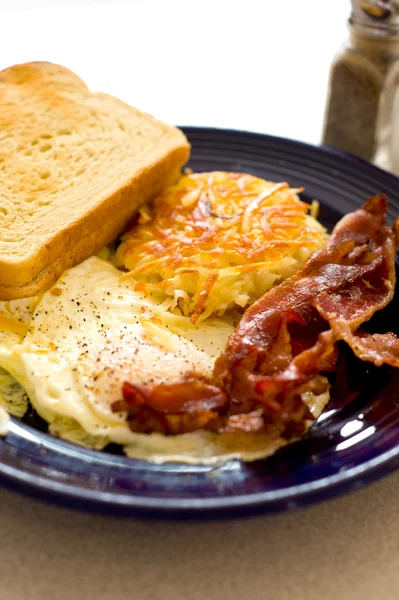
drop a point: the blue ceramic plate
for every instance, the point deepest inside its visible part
(349, 445)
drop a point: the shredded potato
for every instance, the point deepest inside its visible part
(218, 241)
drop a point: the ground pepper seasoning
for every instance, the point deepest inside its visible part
(360, 77)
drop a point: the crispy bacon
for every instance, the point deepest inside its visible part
(192, 403)
(286, 339)
(352, 277)
(379, 348)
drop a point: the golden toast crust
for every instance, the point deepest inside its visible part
(74, 167)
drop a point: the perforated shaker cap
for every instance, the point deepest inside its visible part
(382, 14)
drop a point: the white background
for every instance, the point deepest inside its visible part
(251, 64)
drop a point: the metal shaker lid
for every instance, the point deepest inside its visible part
(383, 14)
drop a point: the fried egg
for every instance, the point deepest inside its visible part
(197, 257)
(91, 332)
(15, 317)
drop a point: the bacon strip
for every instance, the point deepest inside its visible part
(379, 348)
(286, 339)
(192, 403)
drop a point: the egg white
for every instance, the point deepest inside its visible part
(91, 332)
(15, 317)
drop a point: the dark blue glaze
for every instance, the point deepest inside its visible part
(349, 445)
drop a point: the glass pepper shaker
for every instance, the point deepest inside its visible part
(362, 81)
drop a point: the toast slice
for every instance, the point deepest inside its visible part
(74, 167)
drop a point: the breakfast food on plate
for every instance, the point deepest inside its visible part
(93, 338)
(209, 328)
(74, 167)
(287, 340)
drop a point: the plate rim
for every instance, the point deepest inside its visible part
(325, 148)
(205, 508)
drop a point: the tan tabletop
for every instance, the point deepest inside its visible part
(344, 549)
(347, 548)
